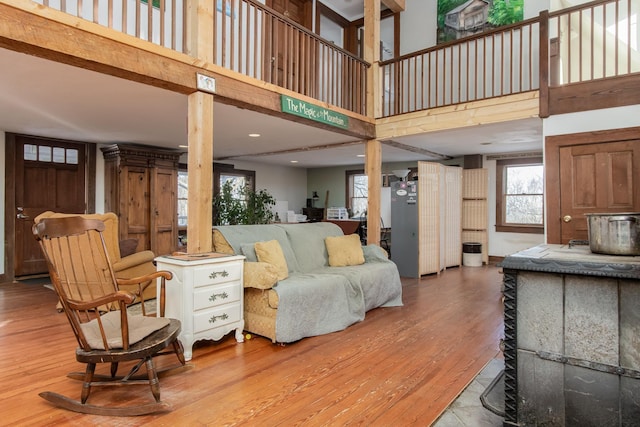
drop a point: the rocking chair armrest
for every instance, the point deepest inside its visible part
(146, 279)
(119, 296)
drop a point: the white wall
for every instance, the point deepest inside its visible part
(418, 27)
(610, 118)
(534, 7)
(503, 244)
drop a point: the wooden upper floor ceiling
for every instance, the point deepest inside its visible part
(249, 81)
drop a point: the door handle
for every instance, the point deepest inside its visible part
(20, 214)
(567, 218)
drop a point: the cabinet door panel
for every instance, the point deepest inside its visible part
(136, 206)
(164, 214)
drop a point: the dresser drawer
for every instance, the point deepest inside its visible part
(217, 273)
(216, 317)
(212, 296)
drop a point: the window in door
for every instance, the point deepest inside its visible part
(520, 195)
(47, 154)
(357, 192)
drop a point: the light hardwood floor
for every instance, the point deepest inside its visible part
(401, 366)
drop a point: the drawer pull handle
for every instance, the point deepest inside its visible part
(223, 295)
(223, 316)
(222, 273)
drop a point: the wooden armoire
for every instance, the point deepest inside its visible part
(141, 188)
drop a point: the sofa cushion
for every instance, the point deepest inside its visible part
(315, 304)
(344, 250)
(307, 242)
(271, 253)
(249, 251)
(238, 235)
(379, 281)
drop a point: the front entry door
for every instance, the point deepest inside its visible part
(49, 175)
(597, 178)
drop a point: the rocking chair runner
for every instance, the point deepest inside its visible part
(83, 277)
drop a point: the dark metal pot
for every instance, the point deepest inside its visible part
(614, 234)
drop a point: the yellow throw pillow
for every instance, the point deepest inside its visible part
(344, 250)
(271, 252)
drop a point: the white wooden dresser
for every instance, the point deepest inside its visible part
(205, 294)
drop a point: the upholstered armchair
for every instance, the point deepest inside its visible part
(127, 267)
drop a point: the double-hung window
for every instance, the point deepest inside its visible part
(357, 192)
(520, 195)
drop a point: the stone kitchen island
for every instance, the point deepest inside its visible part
(572, 338)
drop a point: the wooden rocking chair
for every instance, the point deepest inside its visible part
(84, 280)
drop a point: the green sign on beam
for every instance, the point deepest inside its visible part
(313, 112)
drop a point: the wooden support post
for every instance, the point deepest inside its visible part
(373, 169)
(200, 167)
(544, 64)
(200, 132)
(199, 32)
(373, 151)
(372, 56)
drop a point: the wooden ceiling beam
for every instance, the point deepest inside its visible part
(295, 150)
(417, 150)
(395, 5)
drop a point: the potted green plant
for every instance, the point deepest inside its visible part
(242, 206)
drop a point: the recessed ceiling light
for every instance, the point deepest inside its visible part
(183, 146)
(360, 155)
(254, 135)
(294, 161)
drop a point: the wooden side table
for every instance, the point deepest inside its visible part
(205, 294)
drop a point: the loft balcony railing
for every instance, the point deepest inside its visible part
(248, 38)
(494, 63)
(590, 42)
(596, 40)
(258, 42)
(163, 23)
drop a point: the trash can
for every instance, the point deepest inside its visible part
(472, 254)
